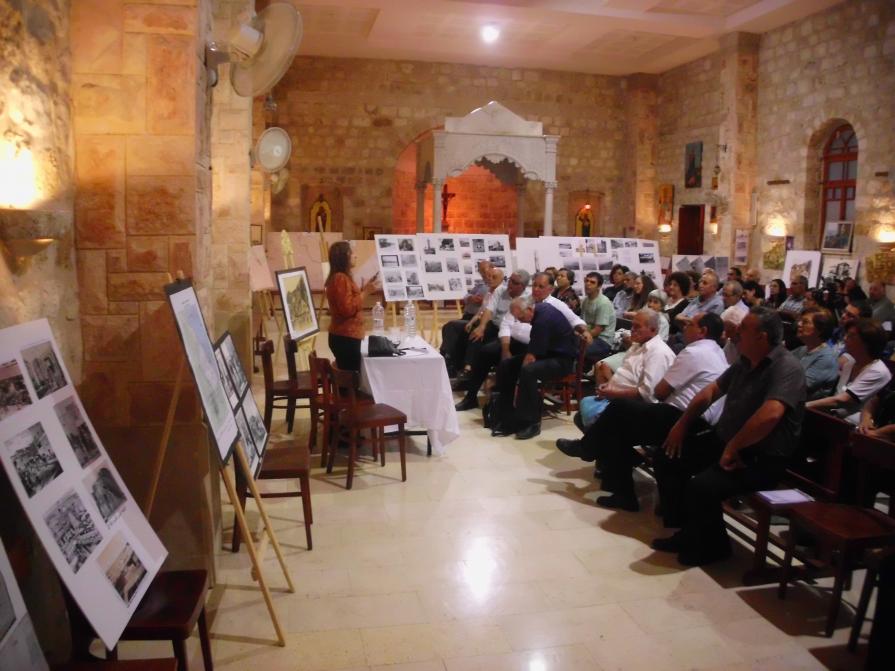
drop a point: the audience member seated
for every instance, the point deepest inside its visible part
(732, 297)
(814, 298)
(735, 275)
(677, 286)
(550, 355)
(753, 294)
(708, 299)
(776, 294)
(850, 314)
(643, 285)
(564, 290)
(464, 350)
(695, 277)
(455, 331)
(656, 302)
(637, 420)
(753, 275)
(616, 281)
(599, 317)
(622, 300)
(818, 359)
(883, 309)
(748, 449)
(792, 307)
(862, 376)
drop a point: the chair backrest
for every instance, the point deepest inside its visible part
(344, 386)
(266, 351)
(321, 376)
(874, 457)
(290, 349)
(818, 465)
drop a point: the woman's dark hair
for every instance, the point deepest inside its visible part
(616, 267)
(856, 294)
(823, 320)
(339, 259)
(569, 272)
(682, 279)
(639, 300)
(777, 301)
(751, 285)
(694, 279)
(817, 295)
(872, 335)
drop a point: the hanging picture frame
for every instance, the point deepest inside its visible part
(837, 237)
(693, 165)
(297, 302)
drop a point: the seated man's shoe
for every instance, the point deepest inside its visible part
(619, 502)
(529, 431)
(467, 404)
(703, 556)
(499, 431)
(674, 543)
(572, 448)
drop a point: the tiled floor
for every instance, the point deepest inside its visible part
(495, 558)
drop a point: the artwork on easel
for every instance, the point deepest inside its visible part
(203, 364)
(93, 531)
(19, 648)
(800, 262)
(245, 409)
(298, 303)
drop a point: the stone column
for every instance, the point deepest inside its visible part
(437, 185)
(420, 207)
(520, 207)
(643, 138)
(549, 187)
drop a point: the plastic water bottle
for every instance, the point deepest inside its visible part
(378, 319)
(410, 319)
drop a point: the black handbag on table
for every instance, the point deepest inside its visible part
(382, 346)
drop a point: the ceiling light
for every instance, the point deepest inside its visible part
(490, 33)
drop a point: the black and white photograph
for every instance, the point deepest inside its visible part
(77, 431)
(564, 245)
(405, 245)
(468, 282)
(390, 260)
(648, 244)
(429, 248)
(605, 265)
(588, 265)
(393, 277)
(248, 445)
(256, 425)
(455, 284)
(385, 243)
(43, 369)
(412, 277)
(630, 243)
(452, 265)
(121, 565)
(106, 493)
(225, 379)
(495, 246)
(234, 365)
(838, 267)
(468, 269)
(615, 243)
(13, 391)
(464, 242)
(466, 255)
(72, 529)
(571, 264)
(433, 267)
(435, 287)
(497, 261)
(599, 246)
(407, 261)
(33, 458)
(396, 293)
(415, 293)
(647, 257)
(478, 244)
(446, 245)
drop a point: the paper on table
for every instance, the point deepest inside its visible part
(779, 496)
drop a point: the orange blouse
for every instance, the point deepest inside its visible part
(346, 306)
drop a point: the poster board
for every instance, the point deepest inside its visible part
(449, 261)
(19, 648)
(260, 276)
(838, 267)
(802, 262)
(92, 529)
(203, 364)
(399, 267)
(298, 303)
(252, 431)
(685, 262)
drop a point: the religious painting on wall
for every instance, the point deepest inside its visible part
(370, 232)
(321, 210)
(321, 215)
(837, 236)
(666, 204)
(584, 222)
(693, 165)
(298, 303)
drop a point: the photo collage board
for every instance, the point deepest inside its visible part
(19, 648)
(584, 255)
(98, 539)
(239, 394)
(684, 262)
(437, 266)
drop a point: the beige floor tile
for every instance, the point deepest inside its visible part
(565, 627)
(350, 612)
(481, 599)
(564, 658)
(399, 644)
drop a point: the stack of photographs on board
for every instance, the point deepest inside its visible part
(450, 261)
(245, 409)
(683, 263)
(19, 648)
(201, 358)
(94, 532)
(399, 267)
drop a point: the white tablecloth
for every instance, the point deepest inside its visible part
(416, 384)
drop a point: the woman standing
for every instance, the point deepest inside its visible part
(346, 306)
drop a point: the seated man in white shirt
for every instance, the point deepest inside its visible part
(632, 420)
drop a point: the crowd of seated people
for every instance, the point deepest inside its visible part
(713, 374)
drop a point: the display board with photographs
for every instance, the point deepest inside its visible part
(684, 262)
(400, 267)
(19, 648)
(297, 302)
(203, 364)
(252, 431)
(802, 262)
(838, 267)
(450, 261)
(94, 532)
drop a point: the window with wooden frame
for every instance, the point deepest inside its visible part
(840, 172)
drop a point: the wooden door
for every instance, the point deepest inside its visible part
(690, 220)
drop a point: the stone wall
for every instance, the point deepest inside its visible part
(351, 119)
(837, 66)
(142, 213)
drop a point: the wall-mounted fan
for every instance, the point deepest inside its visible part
(259, 52)
(271, 154)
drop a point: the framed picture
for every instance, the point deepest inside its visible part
(837, 236)
(802, 262)
(838, 267)
(298, 304)
(204, 365)
(693, 165)
(741, 247)
(666, 204)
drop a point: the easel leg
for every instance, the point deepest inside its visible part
(253, 488)
(250, 545)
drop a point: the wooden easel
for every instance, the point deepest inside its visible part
(257, 574)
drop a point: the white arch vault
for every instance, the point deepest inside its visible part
(495, 134)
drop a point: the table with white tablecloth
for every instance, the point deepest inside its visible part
(417, 384)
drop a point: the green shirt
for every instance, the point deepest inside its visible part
(599, 312)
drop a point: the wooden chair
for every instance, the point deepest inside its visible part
(297, 386)
(567, 389)
(325, 406)
(283, 460)
(354, 417)
(164, 664)
(848, 530)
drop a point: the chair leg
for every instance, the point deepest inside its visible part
(290, 413)
(203, 640)
(352, 456)
(401, 447)
(861, 610)
(380, 437)
(112, 653)
(327, 437)
(312, 438)
(180, 654)
(268, 411)
(838, 584)
(786, 568)
(305, 484)
(331, 457)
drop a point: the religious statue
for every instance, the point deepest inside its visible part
(446, 197)
(321, 215)
(286, 245)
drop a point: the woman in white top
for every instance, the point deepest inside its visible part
(863, 375)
